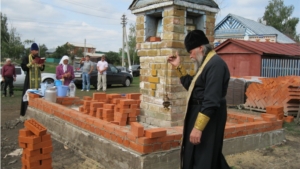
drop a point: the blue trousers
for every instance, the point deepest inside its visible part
(86, 81)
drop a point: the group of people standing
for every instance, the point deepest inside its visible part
(64, 72)
(87, 67)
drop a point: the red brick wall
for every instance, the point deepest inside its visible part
(107, 114)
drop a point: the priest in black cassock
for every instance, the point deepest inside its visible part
(206, 112)
(33, 75)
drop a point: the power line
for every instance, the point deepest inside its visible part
(75, 11)
(67, 28)
(82, 5)
(47, 22)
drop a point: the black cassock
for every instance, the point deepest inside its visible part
(207, 97)
(26, 85)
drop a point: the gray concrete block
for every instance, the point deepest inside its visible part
(252, 142)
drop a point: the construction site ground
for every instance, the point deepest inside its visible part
(285, 155)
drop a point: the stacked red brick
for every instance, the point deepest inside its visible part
(113, 108)
(37, 146)
(239, 124)
(151, 140)
(134, 137)
(280, 91)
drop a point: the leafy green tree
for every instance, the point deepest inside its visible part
(11, 45)
(4, 36)
(279, 16)
(132, 44)
(79, 52)
(65, 49)
(43, 48)
(15, 48)
(27, 42)
(113, 58)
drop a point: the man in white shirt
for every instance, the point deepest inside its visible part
(102, 66)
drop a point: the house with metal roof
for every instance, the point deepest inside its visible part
(237, 27)
(265, 59)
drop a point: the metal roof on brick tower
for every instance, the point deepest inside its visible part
(142, 3)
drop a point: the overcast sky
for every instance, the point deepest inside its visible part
(55, 22)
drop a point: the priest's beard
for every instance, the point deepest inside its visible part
(198, 60)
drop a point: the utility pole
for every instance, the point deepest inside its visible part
(124, 27)
(84, 48)
(124, 22)
(128, 55)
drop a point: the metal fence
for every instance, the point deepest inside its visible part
(280, 67)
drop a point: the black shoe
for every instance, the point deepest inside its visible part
(12, 95)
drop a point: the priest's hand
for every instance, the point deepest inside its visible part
(195, 136)
(174, 59)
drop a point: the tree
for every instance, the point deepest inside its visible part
(42, 49)
(4, 36)
(65, 49)
(278, 16)
(113, 58)
(132, 44)
(80, 53)
(15, 46)
(27, 50)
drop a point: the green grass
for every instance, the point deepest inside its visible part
(292, 128)
(50, 67)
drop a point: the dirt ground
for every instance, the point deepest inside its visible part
(285, 155)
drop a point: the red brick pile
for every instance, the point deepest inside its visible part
(37, 146)
(113, 108)
(281, 91)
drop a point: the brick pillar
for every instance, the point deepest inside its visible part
(154, 81)
(210, 26)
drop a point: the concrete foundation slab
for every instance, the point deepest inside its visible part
(113, 155)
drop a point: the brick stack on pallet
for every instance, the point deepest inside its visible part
(37, 146)
(281, 91)
(113, 108)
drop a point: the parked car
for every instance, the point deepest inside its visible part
(135, 69)
(123, 69)
(46, 77)
(113, 76)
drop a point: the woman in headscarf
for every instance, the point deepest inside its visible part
(64, 71)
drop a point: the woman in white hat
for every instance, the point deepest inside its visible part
(64, 71)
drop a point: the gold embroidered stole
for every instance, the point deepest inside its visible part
(192, 85)
(34, 75)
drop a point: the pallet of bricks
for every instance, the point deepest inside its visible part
(114, 108)
(281, 91)
(37, 146)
